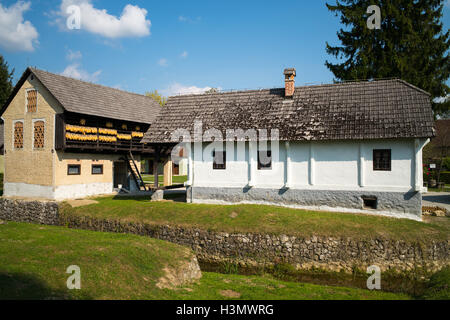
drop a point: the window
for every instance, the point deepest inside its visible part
(382, 160)
(74, 169)
(39, 129)
(18, 135)
(97, 169)
(220, 160)
(370, 202)
(265, 160)
(31, 100)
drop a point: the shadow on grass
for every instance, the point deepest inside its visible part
(175, 196)
(18, 286)
(142, 198)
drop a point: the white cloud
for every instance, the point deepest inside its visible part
(131, 23)
(179, 89)
(74, 71)
(188, 19)
(163, 62)
(184, 54)
(16, 34)
(73, 55)
(442, 99)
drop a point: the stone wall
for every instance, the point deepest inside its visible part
(29, 211)
(249, 249)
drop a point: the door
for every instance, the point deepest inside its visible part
(176, 169)
(120, 174)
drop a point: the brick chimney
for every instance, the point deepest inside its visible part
(289, 82)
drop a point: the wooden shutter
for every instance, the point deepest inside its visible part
(31, 100)
(18, 135)
(39, 130)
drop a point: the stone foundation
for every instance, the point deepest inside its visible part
(394, 204)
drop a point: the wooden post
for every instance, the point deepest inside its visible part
(155, 167)
(168, 166)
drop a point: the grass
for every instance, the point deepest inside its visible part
(149, 179)
(262, 219)
(439, 286)
(445, 189)
(117, 266)
(34, 260)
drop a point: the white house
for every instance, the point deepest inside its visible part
(353, 146)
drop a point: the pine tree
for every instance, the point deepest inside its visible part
(5, 81)
(410, 45)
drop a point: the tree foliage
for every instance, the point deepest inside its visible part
(157, 97)
(410, 45)
(6, 77)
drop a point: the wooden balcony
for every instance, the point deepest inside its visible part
(73, 133)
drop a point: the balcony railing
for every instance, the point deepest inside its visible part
(71, 136)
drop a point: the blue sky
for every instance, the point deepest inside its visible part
(174, 46)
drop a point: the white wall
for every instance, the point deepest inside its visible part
(316, 165)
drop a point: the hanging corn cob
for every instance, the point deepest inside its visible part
(81, 137)
(107, 139)
(122, 136)
(111, 132)
(79, 129)
(135, 134)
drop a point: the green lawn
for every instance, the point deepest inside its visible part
(117, 266)
(445, 189)
(261, 218)
(149, 179)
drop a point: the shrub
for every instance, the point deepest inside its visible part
(446, 163)
(438, 287)
(445, 177)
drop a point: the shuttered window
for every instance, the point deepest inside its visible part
(265, 160)
(18, 135)
(219, 160)
(382, 160)
(39, 130)
(31, 100)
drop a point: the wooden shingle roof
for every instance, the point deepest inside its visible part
(353, 110)
(93, 99)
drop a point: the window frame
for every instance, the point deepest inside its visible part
(26, 100)
(262, 166)
(374, 163)
(14, 134)
(74, 165)
(222, 166)
(34, 132)
(98, 166)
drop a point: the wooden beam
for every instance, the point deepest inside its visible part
(168, 167)
(155, 167)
